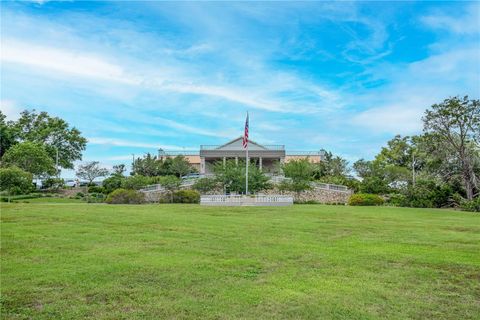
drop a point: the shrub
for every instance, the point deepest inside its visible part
(397, 200)
(96, 189)
(95, 197)
(365, 199)
(296, 186)
(205, 185)
(80, 195)
(14, 180)
(122, 196)
(136, 182)
(186, 196)
(53, 183)
(20, 197)
(306, 202)
(112, 183)
(472, 205)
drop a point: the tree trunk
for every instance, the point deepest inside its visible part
(468, 188)
(468, 175)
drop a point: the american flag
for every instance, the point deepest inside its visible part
(245, 136)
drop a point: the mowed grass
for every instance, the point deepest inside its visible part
(75, 261)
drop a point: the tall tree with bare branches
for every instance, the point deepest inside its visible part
(454, 126)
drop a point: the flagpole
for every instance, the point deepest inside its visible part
(246, 170)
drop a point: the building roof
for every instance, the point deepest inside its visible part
(237, 144)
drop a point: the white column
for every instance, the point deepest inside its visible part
(260, 163)
(236, 161)
(224, 161)
(202, 165)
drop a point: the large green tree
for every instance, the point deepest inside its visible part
(231, 176)
(15, 180)
(54, 133)
(180, 166)
(330, 166)
(31, 157)
(148, 166)
(7, 135)
(300, 173)
(454, 127)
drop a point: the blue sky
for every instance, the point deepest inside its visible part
(137, 76)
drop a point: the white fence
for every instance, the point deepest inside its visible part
(152, 188)
(240, 200)
(328, 186)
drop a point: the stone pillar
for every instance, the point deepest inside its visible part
(202, 165)
(236, 161)
(260, 163)
(224, 161)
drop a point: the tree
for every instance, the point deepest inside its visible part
(330, 166)
(119, 170)
(399, 152)
(31, 157)
(54, 133)
(204, 185)
(301, 174)
(180, 166)
(7, 135)
(90, 171)
(135, 182)
(113, 182)
(148, 166)
(455, 125)
(231, 176)
(373, 177)
(15, 181)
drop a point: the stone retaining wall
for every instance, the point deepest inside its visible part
(314, 195)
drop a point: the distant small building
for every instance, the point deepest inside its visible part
(266, 157)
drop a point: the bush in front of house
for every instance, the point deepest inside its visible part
(136, 182)
(53, 183)
(186, 196)
(365, 199)
(123, 196)
(205, 185)
(20, 197)
(96, 189)
(95, 197)
(472, 205)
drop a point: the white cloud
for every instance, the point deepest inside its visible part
(10, 109)
(79, 63)
(185, 128)
(403, 119)
(469, 23)
(61, 60)
(135, 144)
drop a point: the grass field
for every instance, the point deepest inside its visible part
(74, 261)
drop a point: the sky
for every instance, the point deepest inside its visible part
(138, 76)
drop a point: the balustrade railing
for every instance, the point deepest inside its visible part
(216, 146)
(276, 179)
(241, 199)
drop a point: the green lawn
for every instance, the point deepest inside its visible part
(75, 261)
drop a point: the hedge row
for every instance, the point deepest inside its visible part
(365, 199)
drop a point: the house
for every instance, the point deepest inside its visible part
(266, 157)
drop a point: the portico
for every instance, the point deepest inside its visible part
(266, 157)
